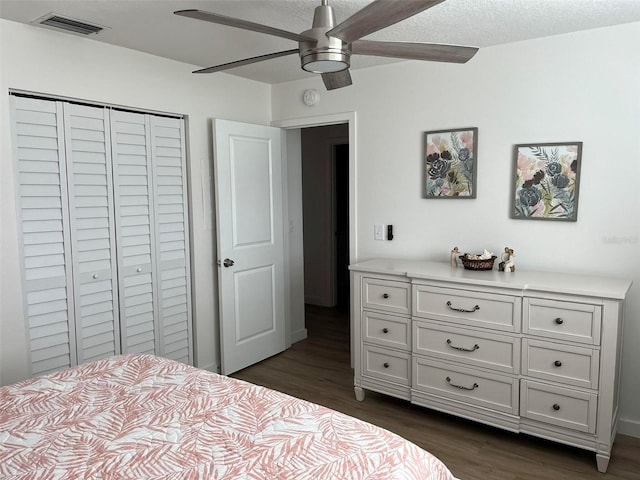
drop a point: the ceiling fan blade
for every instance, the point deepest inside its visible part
(433, 52)
(246, 61)
(238, 23)
(335, 80)
(378, 15)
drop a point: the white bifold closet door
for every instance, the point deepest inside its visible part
(91, 222)
(38, 147)
(102, 202)
(136, 237)
(171, 229)
(151, 213)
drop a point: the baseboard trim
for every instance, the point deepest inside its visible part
(626, 426)
(298, 335)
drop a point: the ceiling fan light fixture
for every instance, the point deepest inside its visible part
(325, 62)
(322, 53)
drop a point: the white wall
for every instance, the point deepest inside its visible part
(48, 62)
(577, 87)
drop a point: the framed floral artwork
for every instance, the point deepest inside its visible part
(547, 180)
(450, 158)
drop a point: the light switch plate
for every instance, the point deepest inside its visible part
(378, 232)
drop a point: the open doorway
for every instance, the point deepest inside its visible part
(298, 292)
(325, 205)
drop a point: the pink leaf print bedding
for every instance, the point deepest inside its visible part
(145, 417)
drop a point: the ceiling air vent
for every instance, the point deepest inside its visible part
(68, 24)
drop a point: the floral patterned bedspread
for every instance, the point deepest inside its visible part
(145, 417)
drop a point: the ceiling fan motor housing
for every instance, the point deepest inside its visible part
(325, 54)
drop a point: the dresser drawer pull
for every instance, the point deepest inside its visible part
(557, 363)
(385, 330)
(462, 387)
(385, 365)
(477, 307)
(385, 295)
(463, 349)
(556, 407)
(559, 321)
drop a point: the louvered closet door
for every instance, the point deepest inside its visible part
(43, 224)
(132, 180)
(169, 175)
(88, 151)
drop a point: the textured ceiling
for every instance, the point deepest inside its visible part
(150, 26)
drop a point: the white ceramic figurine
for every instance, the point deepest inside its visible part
(510, 264)
(454, 257)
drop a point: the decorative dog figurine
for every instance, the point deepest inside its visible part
(508, 263)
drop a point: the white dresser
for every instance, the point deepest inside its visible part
(531, 352)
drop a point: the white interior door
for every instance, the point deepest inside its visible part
(248, 186)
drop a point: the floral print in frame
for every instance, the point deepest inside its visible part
(546, 181)
(450, 161)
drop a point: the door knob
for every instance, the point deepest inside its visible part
(228, 262)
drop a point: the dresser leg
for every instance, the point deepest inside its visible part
(603, 462)
(359, 393)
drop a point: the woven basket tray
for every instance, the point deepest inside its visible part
(470, 264)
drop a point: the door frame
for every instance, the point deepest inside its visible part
(332, 119)
(317, 121)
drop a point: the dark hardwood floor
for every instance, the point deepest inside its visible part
(318, 369)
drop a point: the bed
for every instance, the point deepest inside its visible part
(141, 416)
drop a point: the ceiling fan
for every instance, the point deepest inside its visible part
(327, 48)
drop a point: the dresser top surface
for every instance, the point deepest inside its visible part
(525, 280)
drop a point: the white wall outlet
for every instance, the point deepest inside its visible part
(378, 232)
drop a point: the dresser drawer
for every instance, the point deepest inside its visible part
(489, 390)
(482, 349)
(386, 295)
(386, 330)
(500, 312)
(560, 363)
(559, 406)
(384, 364)
(576, 322)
